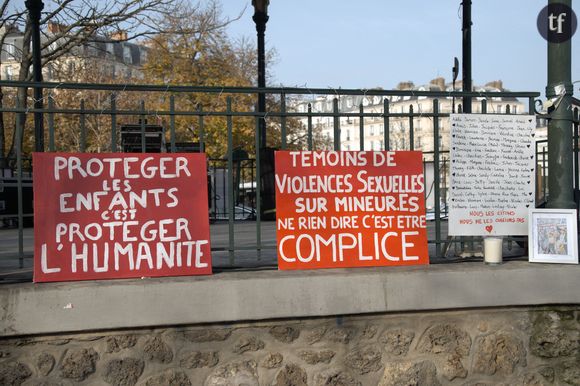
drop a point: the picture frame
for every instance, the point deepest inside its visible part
(553, 236)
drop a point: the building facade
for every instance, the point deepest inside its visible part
(99, 58)
(400, 137)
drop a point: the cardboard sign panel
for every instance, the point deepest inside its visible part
(492, 174)
(350, 209)
(110, 216)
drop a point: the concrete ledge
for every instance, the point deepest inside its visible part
(83, 306)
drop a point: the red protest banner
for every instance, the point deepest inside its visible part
(350, 209)
(110, 216)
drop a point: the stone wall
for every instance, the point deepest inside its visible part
(531, 346)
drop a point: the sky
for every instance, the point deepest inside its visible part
(379, 43)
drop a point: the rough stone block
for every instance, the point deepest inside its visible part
(339, 335)
(369, 332)
(499, 353)
(364, 360)
(410, 373)
(123, 372)
(272, 361)
(316, 335)
(120, 342)
(397, 341)
(198, 359)
(569, 372)
(291, 375)
(445, 338)
(235, 373)
(79, 364)
(550, 340)
(248, 343)
(169, 377)
(45, 363)
(13, 373)
(157, 350)
(453, 368)
(285, 334)
(335, 377)
(315, 357)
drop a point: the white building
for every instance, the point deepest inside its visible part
(399, 127)
(110, 57)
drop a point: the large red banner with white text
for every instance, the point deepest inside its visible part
(350, 209)
(108, 216)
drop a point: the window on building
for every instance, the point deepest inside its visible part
(8, 74)
(515, 109)
(127, 54)
(381, 129)
(10, 49)
(348, 135)
(499, 109)
(372, 130)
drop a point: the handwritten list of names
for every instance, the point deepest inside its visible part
(492, 174)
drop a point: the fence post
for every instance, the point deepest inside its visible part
(50, 123)
(436, 177)
(142, 124)
(83, 139)
(336, 124)
(230, 192)
(172, 123)
(310, 126)
(411, 129)
(283, 119)
(113, 123)
(200, 123)
(386, 125)
(361, 128)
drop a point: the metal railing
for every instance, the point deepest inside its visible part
(88, 118)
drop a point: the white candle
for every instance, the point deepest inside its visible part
(492, 250)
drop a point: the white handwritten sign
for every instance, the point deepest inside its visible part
(492, 174)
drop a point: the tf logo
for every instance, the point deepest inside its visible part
(557, 23)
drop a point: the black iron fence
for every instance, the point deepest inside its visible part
(224, 123)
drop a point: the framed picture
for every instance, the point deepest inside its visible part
(553, 236)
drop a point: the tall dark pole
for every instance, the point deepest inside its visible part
(261, 18)
(267, 189)
(466, 50)
(34, 9)
(560, 156)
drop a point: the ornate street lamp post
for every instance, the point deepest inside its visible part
(267, 192)
(261, 18)
(34, 9)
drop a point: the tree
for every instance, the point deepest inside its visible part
(79, 22)
(199, 52)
